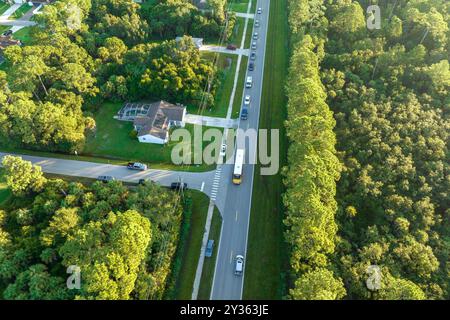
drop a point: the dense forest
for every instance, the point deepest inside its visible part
(378, 101)
(86, 51)
(122, 240)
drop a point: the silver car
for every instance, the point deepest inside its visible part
(239, 267)
(254, 45)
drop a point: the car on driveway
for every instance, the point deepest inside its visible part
(251, 66)
(137, 166)
(253, 56)
(7, 33)
(142, 181)
(239, 265)
(255, 36)
(105, 179)
(178, 186)
(231, 47)
(247, 100)
(209, 248)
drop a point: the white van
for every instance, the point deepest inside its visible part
(249, 82)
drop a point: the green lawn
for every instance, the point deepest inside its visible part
(21, 11)
(226, 66)
(238, 32)
(23, 35)
(239, 89)
(192, 246)
(238, 5)
(4, 28)
(267, 256)
(113, 140)
(248, 35)
(4, 191)
(209, 264)
(3, 7)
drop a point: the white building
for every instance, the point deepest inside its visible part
(153, 121)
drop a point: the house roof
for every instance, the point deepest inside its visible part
(156, 121)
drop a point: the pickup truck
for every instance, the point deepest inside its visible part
(137, 166)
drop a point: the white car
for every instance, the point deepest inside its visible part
(254, 45)
(255, 36)
(239, 267)
(137, 166)
(259, 10)
(247, 100)
(223, 149)
(256, 23)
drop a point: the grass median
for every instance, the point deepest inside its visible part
(266, 258)
(239, 88)
(226, 66)
(191, 247)
(206, 282)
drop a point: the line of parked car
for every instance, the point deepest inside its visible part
(251, 67)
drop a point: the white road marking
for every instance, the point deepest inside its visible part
(236, 215)
(231, 256)
(203, 185)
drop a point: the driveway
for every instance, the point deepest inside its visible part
(245, 15)
(9, 12)
(18, 23)
(219, 49)
(210, 121)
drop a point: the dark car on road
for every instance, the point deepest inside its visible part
(253, 56)
(244, 114)
(178, 186)
(251, 66)
(105, 178)
(209, 248)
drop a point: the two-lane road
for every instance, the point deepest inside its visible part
(196, 180)
(236, 213)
